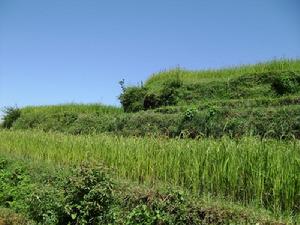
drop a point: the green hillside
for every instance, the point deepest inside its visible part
(97, 109)
(261, 99)
(202, 76)
(188, 147)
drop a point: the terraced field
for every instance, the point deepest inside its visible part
(188, 147)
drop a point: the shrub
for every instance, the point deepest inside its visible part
(141, 215)
(45, 205)
(285, 84)
(132, 98)
(169, 93)
(15, 185)
(88, 196)
(147, 123)
(151, 101)
(201, 123)
(11, 114)
(190, 113)
(90, 123)
(152, 208)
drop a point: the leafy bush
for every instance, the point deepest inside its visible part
(132, 98)
(201, 123)
(88, 196)
(85, 197)
(11, 114)
(15, 185)
(286, 84)
(57, 195)
(169, 93)
(168, 207)
(151, 101)
(147, 123)
(190, 114)
(142, 215)
(90, 123)
(45, 205)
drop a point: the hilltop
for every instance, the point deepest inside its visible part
(202, 76)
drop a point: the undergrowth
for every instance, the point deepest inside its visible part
(88, 195)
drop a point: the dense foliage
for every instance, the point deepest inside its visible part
(11, 114)
(86, 195)
(277, 119)
(134, 99)
(249, 170)
(173, 92)
(230, 134)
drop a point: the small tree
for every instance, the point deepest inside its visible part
(132, 98)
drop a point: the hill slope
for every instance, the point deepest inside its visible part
(251, 173)
(261, 99)
(202, 76)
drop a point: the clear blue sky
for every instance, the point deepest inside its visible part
(59, 51)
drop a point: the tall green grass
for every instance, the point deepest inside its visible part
(249, 170)
(73, 108)
(196, 76)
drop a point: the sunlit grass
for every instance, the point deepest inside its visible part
(249, 170)
(195, 76)
(73, 108)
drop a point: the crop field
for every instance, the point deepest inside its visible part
(248, 170)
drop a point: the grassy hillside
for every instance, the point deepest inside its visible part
(97, 109)
(202, 76)
(261, 100)
(228, 139)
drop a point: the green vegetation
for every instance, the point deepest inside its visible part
(280, 119)
(188, 147)
(9, 217)
(202, 76)
(174, 92)
(261, 101)
(248, 170)
(11, 114)
(97, 109)
(87, 194)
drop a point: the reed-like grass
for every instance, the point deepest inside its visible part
(261, 172)
(195, 76)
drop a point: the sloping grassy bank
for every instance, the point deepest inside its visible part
(176, 92)
(281, 121)
(202, 76)
(248, 170)
(260, 100)
(97, 109)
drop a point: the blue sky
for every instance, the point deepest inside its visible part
(60, 51)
